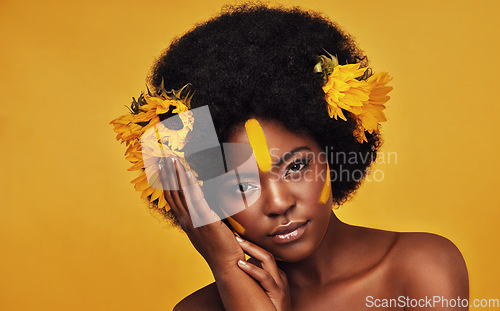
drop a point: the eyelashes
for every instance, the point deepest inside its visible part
(297, 166)
(244, 187)
(292, 171)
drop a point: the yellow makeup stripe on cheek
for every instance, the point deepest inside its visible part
(327, 187)
(236, 225)
(258, 143)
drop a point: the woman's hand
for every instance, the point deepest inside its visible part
(262, 267)
(214, 241)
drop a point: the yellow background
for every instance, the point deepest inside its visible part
(74, 235)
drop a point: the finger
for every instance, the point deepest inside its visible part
(181, 179)
(164, 182)
(183, 197)
(260, 275)
(191, 193)
(283, 275)
(187, 194)
(166, 179)
(195, 200)
(173, 180)
(266, 258)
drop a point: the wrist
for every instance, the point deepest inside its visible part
(222, 269)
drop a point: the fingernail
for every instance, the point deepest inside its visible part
(242, 263)
(239, 239)
(161, 165)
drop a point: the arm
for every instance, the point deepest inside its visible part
(263, 268)
(239, 291)
(215, 242)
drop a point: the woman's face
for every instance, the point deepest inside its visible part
(291, 191)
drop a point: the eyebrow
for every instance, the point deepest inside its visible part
(290, 154)
(238, 176)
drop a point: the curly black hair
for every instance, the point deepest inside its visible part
(256, 61)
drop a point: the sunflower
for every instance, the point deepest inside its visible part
(345, 89)
(148, 140)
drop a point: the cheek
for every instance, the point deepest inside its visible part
(237, 226)
(247, 223)
(314, 186)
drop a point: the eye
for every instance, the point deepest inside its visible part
(297, 166)
(243, 187)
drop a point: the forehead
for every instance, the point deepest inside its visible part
(279, 138)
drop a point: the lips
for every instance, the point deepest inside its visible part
(288, 228)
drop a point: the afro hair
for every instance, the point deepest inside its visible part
(256, 61)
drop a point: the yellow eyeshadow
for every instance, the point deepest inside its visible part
(258, 143)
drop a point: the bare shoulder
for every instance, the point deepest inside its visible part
(429, 263)
(206, 298)
(427, 248)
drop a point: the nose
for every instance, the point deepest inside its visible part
(279, 199)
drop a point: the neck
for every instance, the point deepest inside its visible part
(319, 268)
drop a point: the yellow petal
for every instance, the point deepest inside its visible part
(142, 185)
(136, 166)
(147, 192)
(369, 122)
(156, 194)
(140, 178)
(161, 201)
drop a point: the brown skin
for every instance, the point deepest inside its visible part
(332, 266)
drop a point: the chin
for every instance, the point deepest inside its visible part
(293, 258)
(293, 253)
